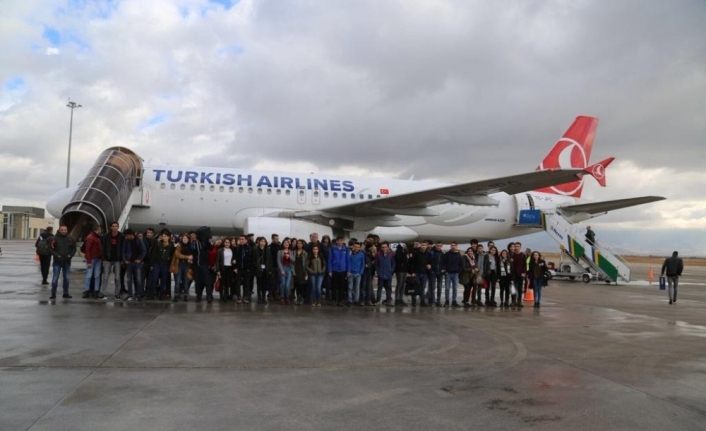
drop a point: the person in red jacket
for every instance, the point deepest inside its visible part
(93, 255)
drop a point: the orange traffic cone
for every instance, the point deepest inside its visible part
(529, 295)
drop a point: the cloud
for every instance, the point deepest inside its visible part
(453, 90)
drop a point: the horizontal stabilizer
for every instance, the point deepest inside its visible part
(605, 206)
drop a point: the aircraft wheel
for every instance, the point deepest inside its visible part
(586, 278)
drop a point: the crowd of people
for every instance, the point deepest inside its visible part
(163, 266)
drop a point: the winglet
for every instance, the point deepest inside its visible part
(597, 170)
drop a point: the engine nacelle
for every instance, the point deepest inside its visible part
(284, 227)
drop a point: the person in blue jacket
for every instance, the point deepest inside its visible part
(356, 266)
(338, 269)
(385, 268)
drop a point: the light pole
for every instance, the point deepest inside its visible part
(72, 105)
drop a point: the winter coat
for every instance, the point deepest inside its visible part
(453, 262)
(537, 269)
(244, 258)
(518, 264)
(338, 259)
(63, 248)
(673, 266)
(220, 262)
(420, 260)
(108, 250)
(133, 250)
(301, 263)
(400, 260)
(93, 246)
(436, 261)
(469, 270)
(356, 262)
(181, 253)
(262, 261)
(385, 265)
(161, 253)
(317, 265)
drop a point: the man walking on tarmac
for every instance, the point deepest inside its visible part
(672, 267)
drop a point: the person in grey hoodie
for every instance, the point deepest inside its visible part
(63, 248)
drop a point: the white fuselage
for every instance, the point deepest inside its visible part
(183, 198)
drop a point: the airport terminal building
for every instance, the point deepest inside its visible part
(19, 222)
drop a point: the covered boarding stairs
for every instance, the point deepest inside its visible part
(571, 238)
(106, 194)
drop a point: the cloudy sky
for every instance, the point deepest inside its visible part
(454, 90)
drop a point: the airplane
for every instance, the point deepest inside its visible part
(230, 201)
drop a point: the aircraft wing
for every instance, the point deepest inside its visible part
(473, 193)
(605, 206)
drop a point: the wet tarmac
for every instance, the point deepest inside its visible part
(593, 357)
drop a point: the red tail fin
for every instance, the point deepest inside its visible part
(597, 171)
(571, 151)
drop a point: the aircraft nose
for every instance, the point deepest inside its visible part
(59, 200)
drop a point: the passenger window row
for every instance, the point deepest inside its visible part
(269, 191)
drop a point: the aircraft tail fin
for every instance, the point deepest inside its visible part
(573, 151)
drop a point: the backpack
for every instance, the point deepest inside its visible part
(43, 247)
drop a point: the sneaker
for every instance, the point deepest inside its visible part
(100, 295)
(67, 296)
(52, 297)
(117, 298)
(446, 304)
(454, 304)
(44, 282)
(130, 298)
(86, 295)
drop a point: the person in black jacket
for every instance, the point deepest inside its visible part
(263, 267)
(453, 265)
(244, 270)
(400, 273)
(491, 268)
(112, 259)
(43, 248)
(63, 248)
(421, 265)
(273, 249)
(673, 267)
(437, 273)
(537, 268)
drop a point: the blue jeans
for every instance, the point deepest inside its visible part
(436, 283)
(354, 288)
(451, 282)
(316, 280)
(59, 268)
(158, 278)
(93, 271)
(133, 276)
(422, 280)
(181, 280)
(538, 284)
(385, 283)
(285, 282)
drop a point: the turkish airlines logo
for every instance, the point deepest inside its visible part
(598, 171)
(566, 154)
(384, 191)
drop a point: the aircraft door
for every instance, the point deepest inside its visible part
(301, 196)
(315, 197)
